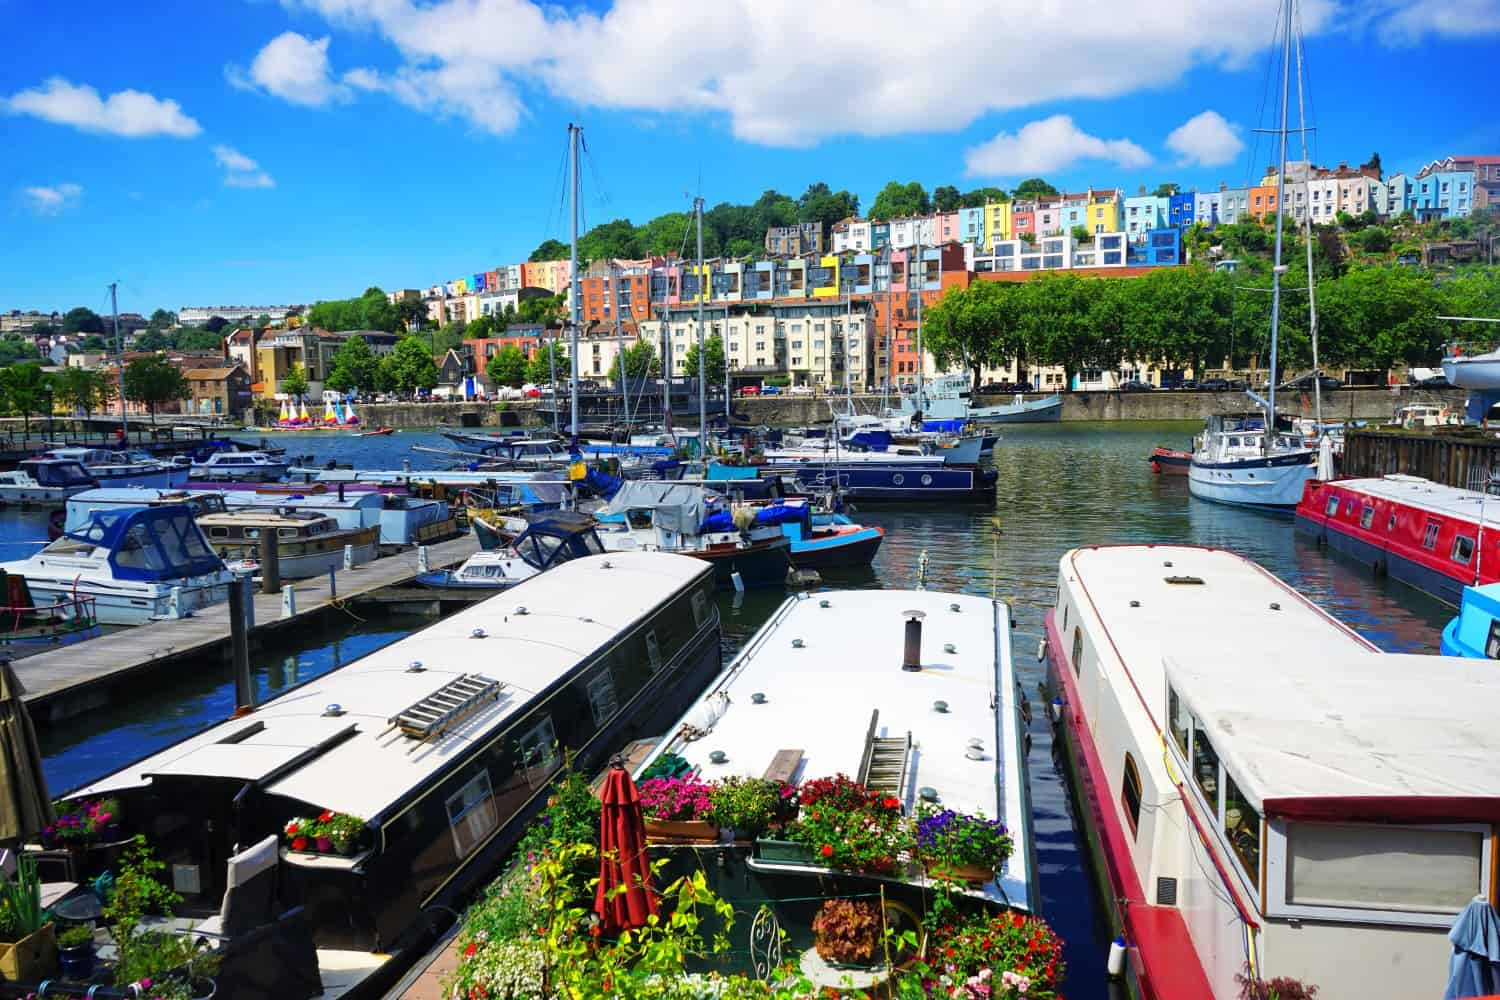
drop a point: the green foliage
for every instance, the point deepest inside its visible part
(21, 913)
(1166, 190)
(79, 936)
(946, 198)
(713, 359)
(93, 342)
(1081, 234)
(539, 369)
(370, 311)
(640, 362)
(153, 381)
(355, 366)
(1033, 188)
(748, 805)
(897, 200)
(82, 319)
(216, 324)
(188, 339)
(409, 366)
(508, 366)
(548, 310)
(848, 931)
(411, 313)
(293, 383)
(980, 196)
(480, 329)
(549, 250)
(138, 891)
(23, 389)
(824, 206)
(976, 327)
(152, 340)
(161, 319)
(617, 239)
(571, 816)
(14, 349)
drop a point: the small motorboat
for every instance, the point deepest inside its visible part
(44, 482)
(308, 543)
(377, 432)
(117, 468)
(239, 467)
(1170, 461)
(545, 541)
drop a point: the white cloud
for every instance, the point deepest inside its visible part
(1406, 22)
(922, 65)
(1205, 140)
(239, 170)
(294, 68)
(51, 200)
(128, 113)
(1048, 145)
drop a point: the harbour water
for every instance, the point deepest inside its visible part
(1060, 486)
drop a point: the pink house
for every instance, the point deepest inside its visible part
(945, 227)
(1023, 218)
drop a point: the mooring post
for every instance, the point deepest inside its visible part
(270, 562)
(239, 633)
(246, 584)
(423, 566)
(333, 584)
(289, 602)
(348, 557)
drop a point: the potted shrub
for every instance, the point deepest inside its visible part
(1007, 954)
(345, 832)
(75, 952)
(28, 943)
(748, 806)
(301, 834)
(847, 825)
(847, 932)
(677, 808)
(960, 847)
(89, 830)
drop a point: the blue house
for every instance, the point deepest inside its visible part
(1180, 210)
(1160, 248)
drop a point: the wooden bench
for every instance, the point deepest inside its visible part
(635, 754)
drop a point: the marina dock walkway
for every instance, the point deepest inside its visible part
(71, 679)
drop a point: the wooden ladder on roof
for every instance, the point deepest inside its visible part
(886, 760)
(446, 707)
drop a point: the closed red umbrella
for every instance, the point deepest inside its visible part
(623, 860)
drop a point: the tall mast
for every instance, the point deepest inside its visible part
(114, 308)
(921, 286)
(725, 341)
(702, 369)
(1281, 186)
(666, 360)
(614, 280)
(574, 134)
(1312, 296)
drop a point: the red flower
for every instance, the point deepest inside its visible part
(325, 816)
(299, 843)
(471, 949)
(892, 803)
(607, 984)
(292, 828)
(827, 851)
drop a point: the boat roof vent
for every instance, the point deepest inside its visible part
(443, 709)
(886, 759)
(1185, 579)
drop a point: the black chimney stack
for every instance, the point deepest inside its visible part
(911, 654)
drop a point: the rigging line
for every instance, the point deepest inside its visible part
(599, 191)
(1312, 111)
(1260, 113)
(554, 221)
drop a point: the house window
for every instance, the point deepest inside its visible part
(1130, 794)
(1429, 536)
(1463, 550)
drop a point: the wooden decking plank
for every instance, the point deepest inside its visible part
(67, 668)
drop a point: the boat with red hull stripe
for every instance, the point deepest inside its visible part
(1427, 535)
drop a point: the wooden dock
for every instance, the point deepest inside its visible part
(1465, 457)
(71, 679)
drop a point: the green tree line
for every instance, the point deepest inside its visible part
(1369, 317)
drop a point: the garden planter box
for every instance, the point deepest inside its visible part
(30, 959)
(683, 829)
(973, 874)
(784, 851)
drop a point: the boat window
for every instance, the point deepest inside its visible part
(653, 651)
(1205, 765)
(585, 543)
(1492, 642)
(137, 551)
(1178, 720)
(1349, 506)
(1077, 650)
(292, 532)
(1403, 868)
(1463, 549)
(1367, 517)
(1130, 793)
(1242, 828)
(638, 518)
(472, 814)
(252, 533)
(700, 608)
(1429, 537)
(603, 702)
(1333, 506)
(536, 748)
(215, 531)
(1390, 525)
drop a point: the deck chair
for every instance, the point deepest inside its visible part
(249, 897)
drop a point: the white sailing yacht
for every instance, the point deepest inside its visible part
(1246, 460)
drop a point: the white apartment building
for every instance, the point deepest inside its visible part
(911, 232)
(198, 315)
(851, 234)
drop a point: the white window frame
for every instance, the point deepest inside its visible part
(1274, 852)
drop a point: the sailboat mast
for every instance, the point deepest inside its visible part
(921, 285)
(702, 348)
(1312, 293)
(114, 309)
(725, 341)
(614, 280)
(574, 134)
(1277, 268)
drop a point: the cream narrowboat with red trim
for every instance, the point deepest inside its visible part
(1438, 539)
(1266, 793)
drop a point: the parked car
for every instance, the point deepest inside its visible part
(1303, 384)
(770, 390)
(1136, 385)
(748, 390)
(800, 390)
(998, 388)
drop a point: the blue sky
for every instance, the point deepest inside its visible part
(249, 151)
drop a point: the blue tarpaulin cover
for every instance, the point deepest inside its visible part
(776, 513)
(1474, 969)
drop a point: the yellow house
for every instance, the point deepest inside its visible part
(704, 273)
(1104, 212)
(831, 290)
(997, 224)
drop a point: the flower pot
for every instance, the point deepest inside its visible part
(972, 874)
(682, 829)
(769, 849)
(325, 846)
(76, 963)
(31, 959)
(344, 847)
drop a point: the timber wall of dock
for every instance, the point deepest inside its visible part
(1461, 457)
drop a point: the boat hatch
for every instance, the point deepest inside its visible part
(446, 707)
(262, 751)
(1185, 580)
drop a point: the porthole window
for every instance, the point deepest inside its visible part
(926, 479)
(897, 479)
(1130, 794)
